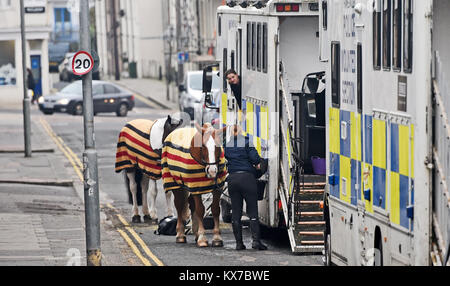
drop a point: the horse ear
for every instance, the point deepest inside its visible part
(169, 119)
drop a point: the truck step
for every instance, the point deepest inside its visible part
(310, 202)
(304, 214)
(313, 242)
(311, 233)
(309, 223)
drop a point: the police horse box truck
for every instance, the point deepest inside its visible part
(388, 137)
(274, 47)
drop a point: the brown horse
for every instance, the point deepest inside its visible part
(194, 164)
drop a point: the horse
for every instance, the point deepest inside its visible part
(139, 155)
(194, 164)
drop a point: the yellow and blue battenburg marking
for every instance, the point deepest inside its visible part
(360, 169)
(254, 120)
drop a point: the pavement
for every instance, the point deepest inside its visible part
(153, 90)
(41, 202)
(42, 219)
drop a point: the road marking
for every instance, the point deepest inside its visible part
(145, 100)
(78, 166)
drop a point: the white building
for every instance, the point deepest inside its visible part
(147, 35)
(37, 22)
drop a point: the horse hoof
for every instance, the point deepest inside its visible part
(136, 219)
(181, 239)
(217, 243)
(202, 244)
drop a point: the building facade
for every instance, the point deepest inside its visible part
(147, 39)
(37, 23)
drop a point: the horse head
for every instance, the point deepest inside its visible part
(206, 148)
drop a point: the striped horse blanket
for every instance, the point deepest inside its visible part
(134, 151)
(182, 171)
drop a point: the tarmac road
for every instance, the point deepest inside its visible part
(155, 249)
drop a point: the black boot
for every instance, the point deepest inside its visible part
(256, 235)
(237, 231)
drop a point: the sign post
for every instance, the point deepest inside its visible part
(82, 64)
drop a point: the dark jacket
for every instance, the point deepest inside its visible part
(241, 155)
(237, 92)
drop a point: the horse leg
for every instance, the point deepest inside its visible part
(133, 189)
(215, 209)
(180, 205)
(194, 222)
(145, 207)
(168, 202)
(152, 215)
(198, 215)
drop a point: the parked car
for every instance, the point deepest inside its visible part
(191, 97)
(107, 97)
(66, 73)
(210, 112)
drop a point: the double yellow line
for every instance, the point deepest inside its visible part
(78, 167)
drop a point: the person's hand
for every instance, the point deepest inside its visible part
(258, 167)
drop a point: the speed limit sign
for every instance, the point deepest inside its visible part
(82, 63)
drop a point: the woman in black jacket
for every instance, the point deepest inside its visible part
(241, 158)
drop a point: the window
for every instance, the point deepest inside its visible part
(219, 25)
(324, 15)
(63, 24)
(397, 36)
(336, 74)
(97, 89)
(254, 46)
(7, 63)
(265, 47)
(225, 69)
(408, 37)
(359, 77)
(249, 46)
(258, 47)
(387, 15)
(377, 35)
(110, 89)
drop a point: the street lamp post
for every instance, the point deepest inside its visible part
(91, 188)
(26, 98)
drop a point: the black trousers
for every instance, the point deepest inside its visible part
(242, 186)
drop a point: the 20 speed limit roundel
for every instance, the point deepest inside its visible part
(82, 63)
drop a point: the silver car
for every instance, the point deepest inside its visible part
(191, 98)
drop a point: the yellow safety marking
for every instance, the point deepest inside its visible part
(403, 146)
(140, 241)
(250, 116)
(379, 143)
(395, 198)
(224, 108)
(264, 116)
(134, 248)
(345, 177)
(355, 143)
(258, 145)
(335, 136)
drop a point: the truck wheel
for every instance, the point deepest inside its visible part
(327, 250)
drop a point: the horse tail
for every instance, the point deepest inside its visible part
(138, 179)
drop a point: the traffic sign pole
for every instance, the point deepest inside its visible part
(91, 187)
